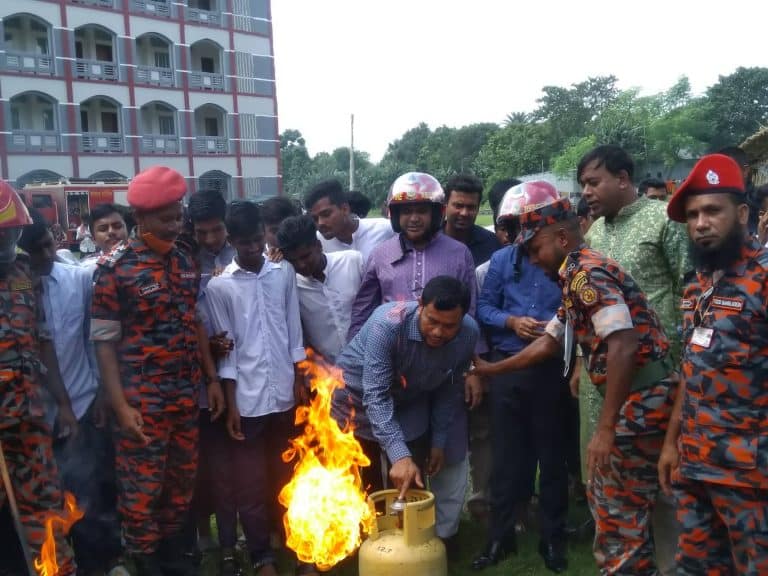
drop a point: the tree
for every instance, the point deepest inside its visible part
(406, 150)
(569, 111)
(678, 95)
(296, 163)
(517, 118)
(569, 158)
(684, 132)
(514, 150)
(625, 121)
(738, 105)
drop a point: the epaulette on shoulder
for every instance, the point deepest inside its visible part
(110, 259)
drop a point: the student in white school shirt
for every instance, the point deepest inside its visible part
(254, 300)
(327, 285)
(340, 229)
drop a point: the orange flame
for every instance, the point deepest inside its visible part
(326, 504)
(46, 564)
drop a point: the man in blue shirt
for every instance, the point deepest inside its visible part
(84, 458)
(528, 407)
(403, 372)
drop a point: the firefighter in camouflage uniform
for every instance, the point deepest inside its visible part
(24, 435)
(716, 450)
(604, 310)
(145, 329)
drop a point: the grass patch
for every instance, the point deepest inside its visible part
(472, 538)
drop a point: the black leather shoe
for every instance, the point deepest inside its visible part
(553, 554)
(494, 553)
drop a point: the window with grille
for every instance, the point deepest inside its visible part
(109, 122)
(207, 65)
(211, 126)
(42, 46)
(165, 125)
(48, 120)
(162, 60)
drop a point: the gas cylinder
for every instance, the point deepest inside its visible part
(402, 541)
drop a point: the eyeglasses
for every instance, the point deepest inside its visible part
(702, 306)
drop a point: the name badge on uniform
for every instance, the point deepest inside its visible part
(702, 336)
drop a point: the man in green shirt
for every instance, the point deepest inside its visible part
(636, 232)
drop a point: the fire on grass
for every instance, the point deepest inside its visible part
(46, 564)
(327, 507)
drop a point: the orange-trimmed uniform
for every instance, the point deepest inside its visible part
(600, 298)
(145, 304)
(723, 489)
(25, 437)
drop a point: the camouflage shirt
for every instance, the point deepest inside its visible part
(21, 329)
(145, 304)
(654, 250)
(599, 299)
(724, 435)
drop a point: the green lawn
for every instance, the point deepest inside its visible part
(472, 538)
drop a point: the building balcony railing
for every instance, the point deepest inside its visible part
(95, 70)
(102, 142)
(156, 76)
(99, 3)
(203, 16)
(206, 81)
(211, 145)
(27, 62)
(33, 141)
(156, 7)
(159, 144)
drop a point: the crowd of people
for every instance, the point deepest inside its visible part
(157, 379)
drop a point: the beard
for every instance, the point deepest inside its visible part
(720, 257)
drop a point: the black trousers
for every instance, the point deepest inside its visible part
(87, 469)
(376, 476)
(528, 424)
(258, 474)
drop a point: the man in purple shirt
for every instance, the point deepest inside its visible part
(397, 270)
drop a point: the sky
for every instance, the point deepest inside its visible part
(395, 63)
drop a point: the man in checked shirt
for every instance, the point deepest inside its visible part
(402, 371)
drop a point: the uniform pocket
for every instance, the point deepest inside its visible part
(729, 437)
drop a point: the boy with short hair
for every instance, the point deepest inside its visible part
(254, 300)
(327, 285)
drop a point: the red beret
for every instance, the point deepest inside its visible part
(712, 174)
(156, 187)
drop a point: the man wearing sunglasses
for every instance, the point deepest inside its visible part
(715, 454)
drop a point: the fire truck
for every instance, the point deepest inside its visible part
(67, 202)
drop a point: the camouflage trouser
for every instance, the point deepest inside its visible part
(155, 482)
(621, 498)
(724, 529)
(32, 469)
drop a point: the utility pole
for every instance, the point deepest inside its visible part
(352, 152)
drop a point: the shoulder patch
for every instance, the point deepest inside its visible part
(579, 281)
(588, 295)
(110, 259)
(687, 304)
(20, 284)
